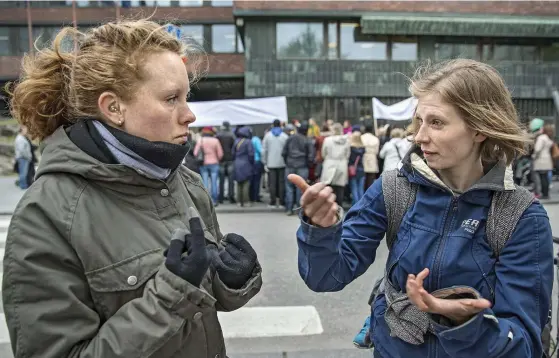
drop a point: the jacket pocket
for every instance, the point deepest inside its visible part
(114, 285)
(399, 247)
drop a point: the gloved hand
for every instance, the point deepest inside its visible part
(234, 262)
(193, 266)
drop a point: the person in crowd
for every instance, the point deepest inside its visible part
(347, 189)
(272, 158)
(298, 154)
(23, 150)
(347, 127)
(394, 150)
(356, 170)
(335, 155)
(470, 268)
(385, 134)
(550, 130)
(31, 172)
(381, 135)
(243, 155)
(190, 160)
(116, 251)
(370, 159)
(226, 139)
(541, 156)
(325, 132)
(314, 129)
(289, 129)
(212, 152)
(255, 181)
(313, 133)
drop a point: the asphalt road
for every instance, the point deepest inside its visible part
(340, 314)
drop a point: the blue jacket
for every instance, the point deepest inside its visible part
(243, 155)
(437, 233)
(257, 145)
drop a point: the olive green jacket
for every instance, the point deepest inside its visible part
(84, 272)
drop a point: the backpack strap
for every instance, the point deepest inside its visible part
(506, 209)
(399, 195)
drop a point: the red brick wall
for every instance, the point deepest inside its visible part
(536, 7)
(220, 64)
(231, 63)
(9, 67)
(59, 15)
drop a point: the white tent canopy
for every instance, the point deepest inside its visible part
(239, 111)
(401, 111)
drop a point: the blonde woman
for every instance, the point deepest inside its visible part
(116, 251)
(451, 287)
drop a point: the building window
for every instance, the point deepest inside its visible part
(333, 40)
(190, 3)
(223, 38)
(351, 49)
(80, 3)
(404, 49)
(193, 33)
(4, 42)
(222, 3)
(240, 47)
(514, 53)
(14, 40)
(12, 4)
(299, 40)
(446, 51)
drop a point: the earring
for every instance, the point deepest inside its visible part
(112, 108)
(120, 122)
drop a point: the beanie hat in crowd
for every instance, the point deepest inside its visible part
(208, 130)
(536, 124)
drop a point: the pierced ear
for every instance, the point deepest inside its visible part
(109, 106)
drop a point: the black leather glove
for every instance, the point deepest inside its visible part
(193, 266)
(235, 262)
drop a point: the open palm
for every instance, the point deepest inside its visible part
(457, 310)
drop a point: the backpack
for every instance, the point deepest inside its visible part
(504, 212)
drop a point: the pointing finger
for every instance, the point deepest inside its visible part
(196, 227)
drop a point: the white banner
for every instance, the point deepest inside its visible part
(401, 111)
(239, 111)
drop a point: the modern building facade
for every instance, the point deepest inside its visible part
(23, 23)
(331, 57)
(328, 57)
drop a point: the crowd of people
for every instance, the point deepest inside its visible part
(348, 157)
(537, 166)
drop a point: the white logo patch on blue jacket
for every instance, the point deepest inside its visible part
(470, 225)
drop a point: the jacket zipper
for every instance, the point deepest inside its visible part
(438, 257)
